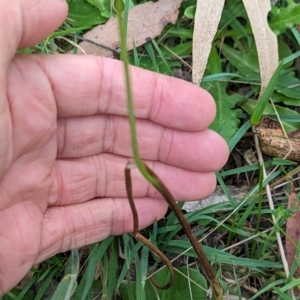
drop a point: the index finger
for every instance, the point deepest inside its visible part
(89, 85)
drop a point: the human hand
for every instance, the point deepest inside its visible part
(65, 142)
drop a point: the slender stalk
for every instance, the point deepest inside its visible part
(205, 266)
(130, 105)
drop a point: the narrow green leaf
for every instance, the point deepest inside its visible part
(25, 289)
(150, 51)
(170, 72)
(281, 294)
(290, 285)
(68, 285)
(104, 277)
(238, 135)
(48, 281)
(96, 254)
(220, 76)
(139, 288)
(130, 253)
(291, 57)
(223, 257)
(268, 287)
(232, 20)
(112, 269)
(262, 102)
(144, 264)
(296, 34)
(250, 104)
(180, 32)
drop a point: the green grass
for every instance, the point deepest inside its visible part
(239, 236)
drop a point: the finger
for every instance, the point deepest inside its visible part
(41, 18)
(98, 87)
(197, 151)
(25, 23)
(19, 242)
(74, 226)
(83, 179)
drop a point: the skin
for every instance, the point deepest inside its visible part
(65, 142)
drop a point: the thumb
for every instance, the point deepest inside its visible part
(25, 23)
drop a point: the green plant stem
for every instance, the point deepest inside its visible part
(131, 113)
(206, 268)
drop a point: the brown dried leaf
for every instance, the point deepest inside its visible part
(145, 22)
(207, 18)
(265, 39)
(249, 156)
(274, 143)
(218, 196)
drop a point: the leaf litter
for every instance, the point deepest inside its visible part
(145, 22)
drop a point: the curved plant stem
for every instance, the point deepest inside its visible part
(205, 266)
(139, 236)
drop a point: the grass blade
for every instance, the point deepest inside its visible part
(262, 103)
(97, 251)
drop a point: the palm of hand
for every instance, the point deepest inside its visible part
(26, 186)
(66, 142)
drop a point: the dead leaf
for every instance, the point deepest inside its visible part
(208, 14)
(207, 18)
(250, 156)
(265, 39)
(293, 232)
(274, 143)
(145, 22)
(237, 194)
